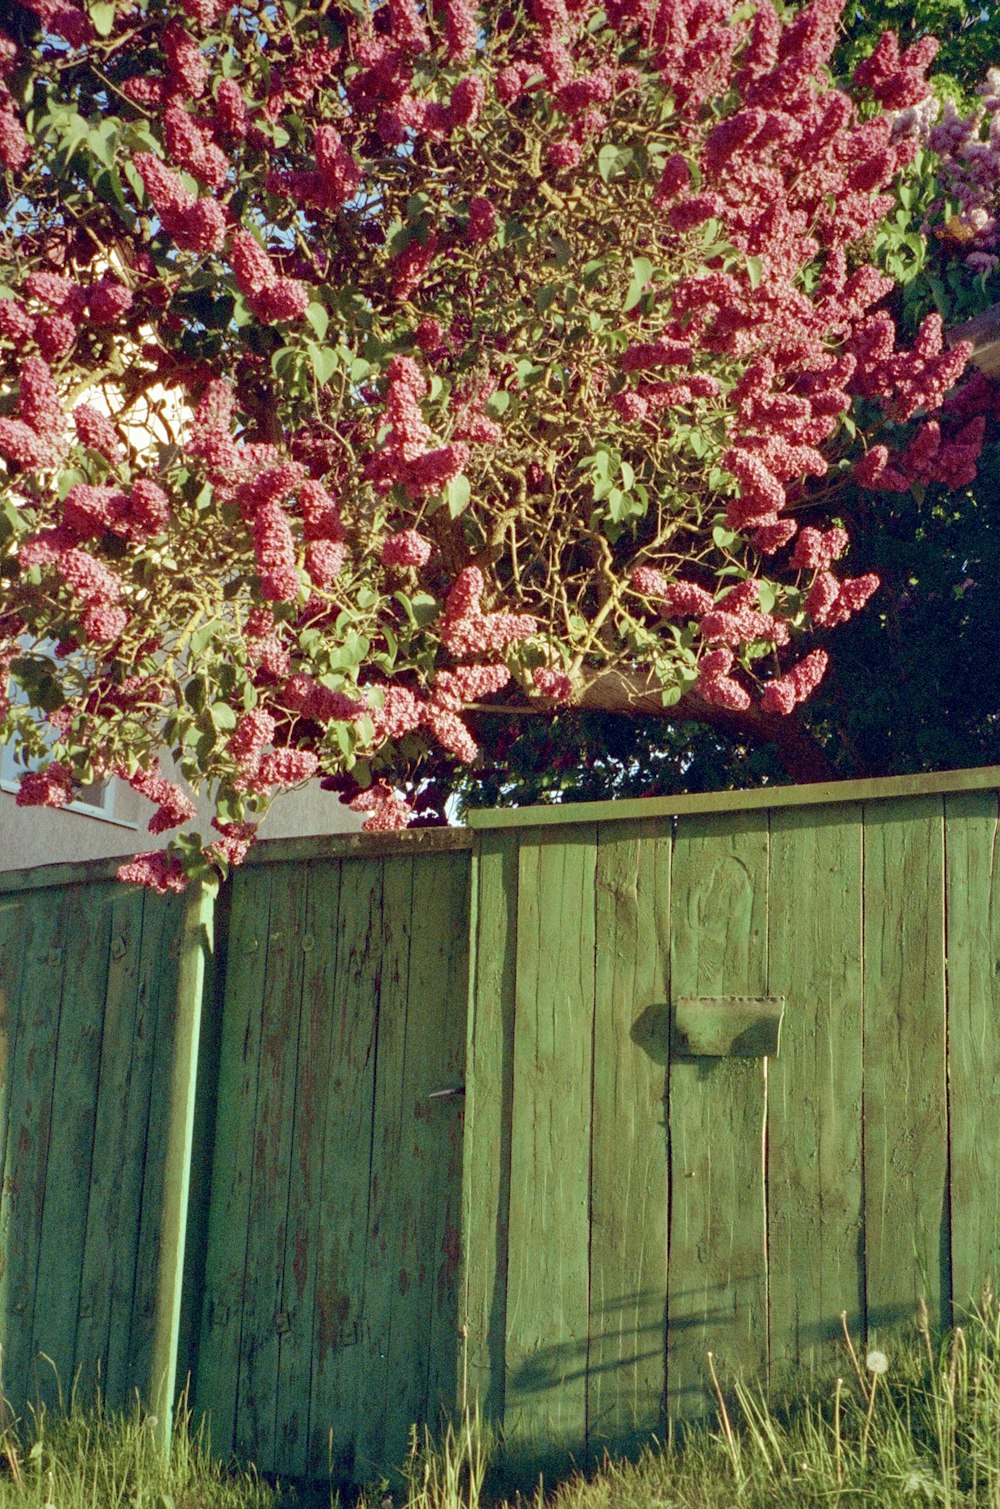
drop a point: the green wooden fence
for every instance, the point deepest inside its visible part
(496, 1113)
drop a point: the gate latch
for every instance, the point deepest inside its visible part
(726, 1026)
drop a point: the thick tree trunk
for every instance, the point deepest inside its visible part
(632, 696)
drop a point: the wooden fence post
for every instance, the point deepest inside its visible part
(196, 946)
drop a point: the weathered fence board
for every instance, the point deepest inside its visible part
(548, 1302)
(814, 1086)
(628, 1194)
(717, 1274)
(973, 902)
(81, 1134)
(331, 1272)
(453, 1143)
(905, 1109)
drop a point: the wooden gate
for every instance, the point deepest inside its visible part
(329, 1318)
(636, 1199)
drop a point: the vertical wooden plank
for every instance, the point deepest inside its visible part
(488, 1098)
(717, 1267)
(354, 960)
(139, 1358)
(135, 1120)
(548, 1298)
(226, 1243)
(13, 934)
(264, 1315)
(424, 1319)
(71, 1141)
(389, 1218)
(814, 1184)
(905, 1112)
(109, 1243)
(973, 895)
(303, 1237)
(628, 1243)
(29, 1118)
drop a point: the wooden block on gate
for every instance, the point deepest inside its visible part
(726, 1026)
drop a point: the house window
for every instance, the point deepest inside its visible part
(97, 799)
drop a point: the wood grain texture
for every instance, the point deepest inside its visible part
(13, 936)
(814, 1175)
(973, 896)
(767, 798)
(121, 1091)
(139, 1125)
(142, 1362)
(265, 1315)
(353, 959)
(439, 977)
(390, 1227)
(71, 1139)
(32, 1083)
(489, 1091)
(303, 1237)
(626, 1357)
(717, 1266)
(548, 1301)
(905, 1107)
(219, 1346)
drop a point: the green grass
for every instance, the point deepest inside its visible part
(924, 1429)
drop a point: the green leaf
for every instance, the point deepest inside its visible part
(203, 636)
(670, 695)
(223, 715)
(755, 271)
(498, 404)
(319, 318)
(323, 360)
(102, 13)
(628, 476)
(424, 607)
(642, 271)
(724, 538)
(458, 492)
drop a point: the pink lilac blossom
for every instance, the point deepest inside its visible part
(103, 623)
(407, 548)
(51, 787)
(472, 683)
(324, 561)
(188, 71)
(467, 632)
(156, 870)
(460, 28)
(784, 693)
(88, 577)
(55, 336)
(283, 768)
(16, 324)
(816, 550)
(232, 118)
(450, 732)
(401, 713)
(191, 146)
(304, 694)
(555, 685)
(274, 547)
(388, 810)
(173, 806)
(96, 430)
(195, 225)
(716, 686)
(253, 730)
(234, 843)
